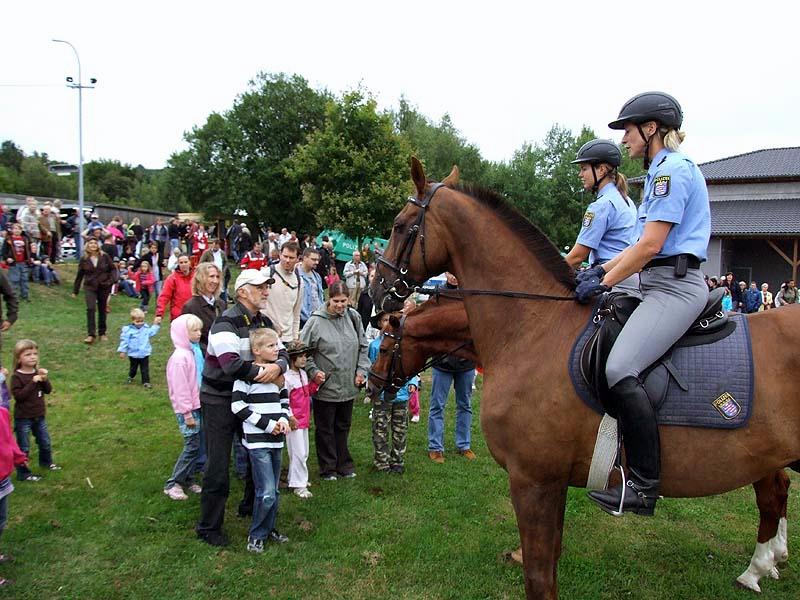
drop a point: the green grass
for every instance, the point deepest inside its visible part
(439, 531)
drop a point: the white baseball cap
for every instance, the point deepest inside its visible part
(252, 277)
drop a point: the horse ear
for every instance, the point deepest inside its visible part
(418, 176)
(394, 321)
(452, 179)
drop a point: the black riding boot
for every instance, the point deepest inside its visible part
(642, 450)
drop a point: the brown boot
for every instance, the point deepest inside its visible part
(436, 456)
(468, 454)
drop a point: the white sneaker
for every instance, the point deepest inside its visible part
(415, 419)
(176, 493)
(302, 493)
(195, 488)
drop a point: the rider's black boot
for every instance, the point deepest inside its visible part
(642, 450)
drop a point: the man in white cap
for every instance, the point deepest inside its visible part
(229, 358)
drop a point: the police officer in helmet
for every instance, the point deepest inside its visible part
(674, 227)
(609, 223)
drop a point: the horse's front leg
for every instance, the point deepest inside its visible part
(540, 517)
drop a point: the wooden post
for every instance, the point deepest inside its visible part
(794, 261)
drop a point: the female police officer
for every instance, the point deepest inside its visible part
(609, 224)
(674, 231)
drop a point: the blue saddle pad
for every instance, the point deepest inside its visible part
(719, 378)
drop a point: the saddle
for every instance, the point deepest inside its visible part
(611, 314)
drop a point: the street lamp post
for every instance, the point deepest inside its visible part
(80, 87)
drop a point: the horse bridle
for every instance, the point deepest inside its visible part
(401, 288)
(395, 378)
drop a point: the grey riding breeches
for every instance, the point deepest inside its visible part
(669, 307)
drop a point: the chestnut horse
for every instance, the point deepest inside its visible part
(440, 326)
(543, 435)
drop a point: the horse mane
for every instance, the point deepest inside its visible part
(531, 236)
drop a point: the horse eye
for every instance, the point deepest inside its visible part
(382, 350)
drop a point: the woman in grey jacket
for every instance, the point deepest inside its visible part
(338, 362)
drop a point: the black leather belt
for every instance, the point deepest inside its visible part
(693, 261)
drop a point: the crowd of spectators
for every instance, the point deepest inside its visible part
(739, 297)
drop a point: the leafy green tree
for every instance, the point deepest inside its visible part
(236, 160)
(11, 156)
(354, 170)
(439, 147)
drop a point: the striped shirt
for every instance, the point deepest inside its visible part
(228, 355)
(260, 406)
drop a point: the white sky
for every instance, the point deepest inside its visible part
(505, 71)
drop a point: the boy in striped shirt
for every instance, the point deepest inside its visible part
(264, 411)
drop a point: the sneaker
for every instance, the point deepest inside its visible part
(468, 454)
(277, 537)
(349, 475)
(148, 386)
(54, 467)
(89, 339)
(254, 545)
(195, 488)
(31, 478)
(329, 478)
(302, 493)
(104, 338)
(176, 493)
(397, 469)
(415, 419)
(130, 380)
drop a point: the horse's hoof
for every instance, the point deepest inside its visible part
(747, 583)
(774, 573)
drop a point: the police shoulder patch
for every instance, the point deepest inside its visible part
(661, 186)
(588, 217)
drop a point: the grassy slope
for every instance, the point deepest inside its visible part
(439, 531)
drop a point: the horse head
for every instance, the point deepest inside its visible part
(437, 327)
(416, 248)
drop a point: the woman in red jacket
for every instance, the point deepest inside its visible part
(176, 291)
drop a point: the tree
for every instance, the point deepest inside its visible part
(439, 147)
(354, 170)
(236, 160)
(11, 156)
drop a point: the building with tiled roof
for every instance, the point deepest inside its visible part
(755, 215)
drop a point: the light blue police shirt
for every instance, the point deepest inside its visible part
(675, 192)
(609, 225)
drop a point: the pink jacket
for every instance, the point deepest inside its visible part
(300, 391)
(10, 454)
(184, 392)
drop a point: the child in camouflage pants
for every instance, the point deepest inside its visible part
(389, 412)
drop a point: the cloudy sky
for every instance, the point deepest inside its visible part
(504, 71)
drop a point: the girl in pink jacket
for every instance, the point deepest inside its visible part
(184, 370)
(300, 391)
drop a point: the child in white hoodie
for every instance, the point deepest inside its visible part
(184, 370)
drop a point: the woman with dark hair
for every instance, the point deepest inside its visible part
(96, 270)
(338, 363)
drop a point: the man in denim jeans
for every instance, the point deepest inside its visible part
(459, 373)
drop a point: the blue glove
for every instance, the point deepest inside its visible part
(588, 289)
(597, 271)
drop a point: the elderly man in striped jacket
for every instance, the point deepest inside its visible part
(229, 358)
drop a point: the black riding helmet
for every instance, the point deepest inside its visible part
(596, 152)
(599, 151)
(650, 106)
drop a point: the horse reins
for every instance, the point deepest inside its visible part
(402, 287)
(395, 378)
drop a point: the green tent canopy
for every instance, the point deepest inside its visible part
(343, 246)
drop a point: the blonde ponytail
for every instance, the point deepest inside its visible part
(672, 138)
(622, 184)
